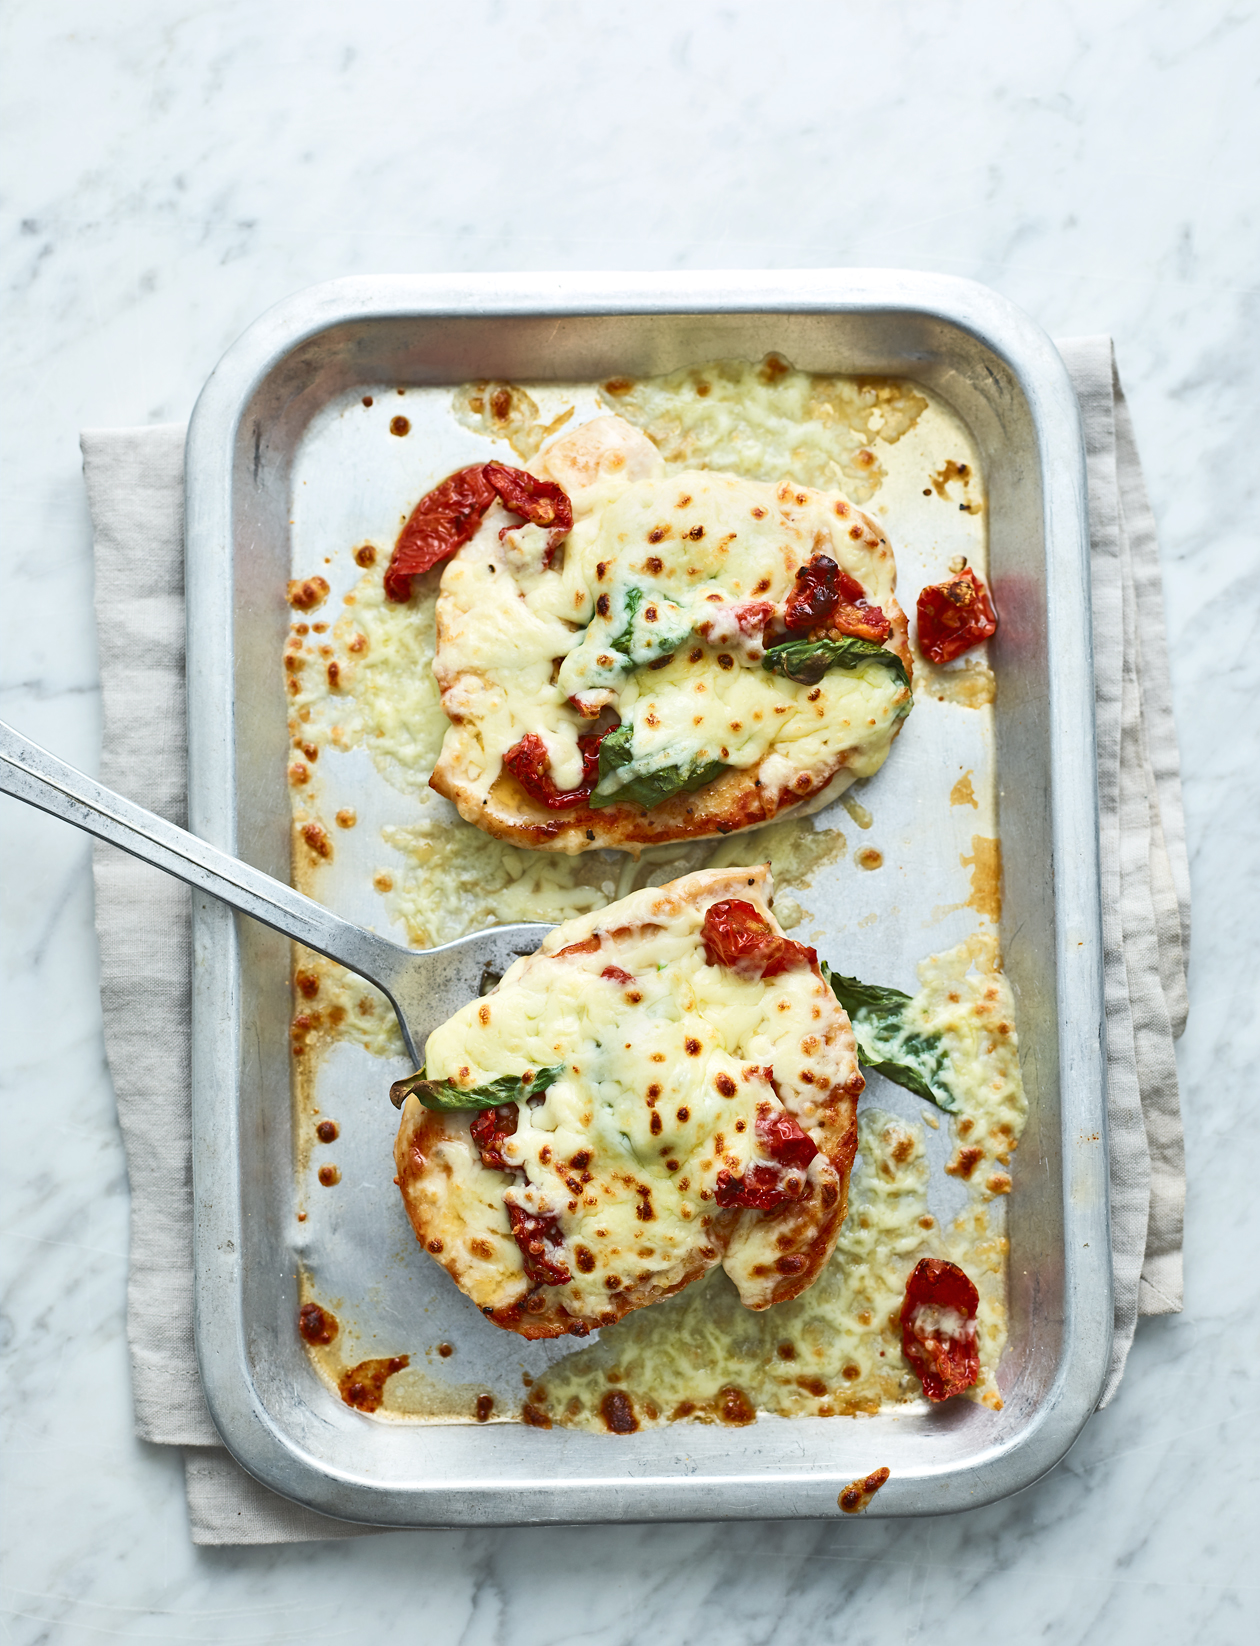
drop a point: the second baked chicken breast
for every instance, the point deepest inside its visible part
(668, 1084)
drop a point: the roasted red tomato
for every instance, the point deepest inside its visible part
(815, 595)
(827, 597)
(588, 945)
(954, 616)
(441, 522)
(735, 935)
(784, 1141)
(761, 1189)
(541, 502)
(448, 516)
(766, 1188)
(490, 1129)
(938, 1328)
(855, 615)
(753, 616)
(533, 1235)
(530, 764)
(866, 622)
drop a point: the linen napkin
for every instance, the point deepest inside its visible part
(135, 491)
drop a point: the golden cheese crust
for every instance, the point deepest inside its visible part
(655, 617)
(698, 1112)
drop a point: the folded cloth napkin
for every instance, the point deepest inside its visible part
(135, 489)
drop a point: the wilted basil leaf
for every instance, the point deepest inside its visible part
(646, 788)
(624, 641)
(867, 998)
(649, 643)
(807, 661)
(890, 1045)
(444, 1098)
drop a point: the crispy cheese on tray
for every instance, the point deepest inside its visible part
(681, 1091)
(701, 653)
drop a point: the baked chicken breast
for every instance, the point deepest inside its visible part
(700, 653)
(666, 1085)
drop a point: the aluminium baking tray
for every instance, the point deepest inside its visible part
(1003, 377)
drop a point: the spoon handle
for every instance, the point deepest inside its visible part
(30, 773)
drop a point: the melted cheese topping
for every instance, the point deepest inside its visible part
(767, 421)
(667, 1066)
(833, 1350)
(641, 620)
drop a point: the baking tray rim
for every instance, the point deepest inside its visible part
(247, 1428)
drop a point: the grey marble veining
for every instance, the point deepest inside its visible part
(172, 169)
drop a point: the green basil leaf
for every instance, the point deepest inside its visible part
(654, 787)
(444, 1098)
(807, 661)
(647, 643)
(905, 1074)
(615, 751)
(645, 788)
(625, 640)
(866, 997)
(888, 1044)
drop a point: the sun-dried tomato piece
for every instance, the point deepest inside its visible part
(441, 522)
(753, 616)
(954, 616)
(866, 622)
(828, 597)
(530, 764)
(541, 502)
(814, 598)
(736, 935)
(784, 1141)
(533, 1235)
(761, 1189)
(854, 613)
(615, 975)
(448, 516)
(490, 1129)
(765, 1188)
(938, 1328)
(849, 588)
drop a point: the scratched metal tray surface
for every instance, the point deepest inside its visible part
(258, 441)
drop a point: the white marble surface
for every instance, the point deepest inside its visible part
(171, 170)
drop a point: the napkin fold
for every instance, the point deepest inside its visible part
(135, 487)
(1145, 869)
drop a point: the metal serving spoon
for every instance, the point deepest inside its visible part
(423, 986)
